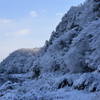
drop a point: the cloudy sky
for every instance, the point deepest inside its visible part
(28, 23)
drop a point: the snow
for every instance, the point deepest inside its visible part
(32, 90)
(67, 67)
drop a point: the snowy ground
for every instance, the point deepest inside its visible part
(43, 88)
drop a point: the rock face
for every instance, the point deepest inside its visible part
(69, 60)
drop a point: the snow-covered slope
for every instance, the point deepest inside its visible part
(19, 61)
(68, 66)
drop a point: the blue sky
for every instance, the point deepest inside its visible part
(28, 23)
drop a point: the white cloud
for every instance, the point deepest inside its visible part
(18, 33)
(33, 14)
(5, 20)
(59, 14)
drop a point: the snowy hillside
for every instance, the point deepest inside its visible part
(67, 67)
(19, 61)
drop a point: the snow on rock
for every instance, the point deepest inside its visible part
(67, 67)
